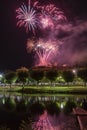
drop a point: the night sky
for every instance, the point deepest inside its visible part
(13, 53)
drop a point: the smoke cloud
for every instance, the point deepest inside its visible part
(74, 38)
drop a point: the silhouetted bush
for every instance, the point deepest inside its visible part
(9, 104)
(37, 108)
(21, 106)
(4, 128)
(26, 125)
(53, 108)
(69, 106)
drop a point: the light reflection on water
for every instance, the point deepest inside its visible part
(18, 107)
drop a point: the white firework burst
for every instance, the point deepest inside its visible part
(27, 17)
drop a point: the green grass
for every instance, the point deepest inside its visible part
(47, 89)
(59, 90)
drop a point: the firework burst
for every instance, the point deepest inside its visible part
(30, 45)
(27, 17)
(46, 16)
(54, 12)
(35, 15)
(50, 15)
(44, 50)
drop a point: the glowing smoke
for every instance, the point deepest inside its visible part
(74, 37)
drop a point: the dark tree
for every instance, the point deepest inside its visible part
(10, 77)
(51, 75)
(37, 108)
(68, 76)
(53, 108)
(69, 107)
(37, 75)
(23, 75)
(82, 73)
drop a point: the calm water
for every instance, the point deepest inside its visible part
(16, 107)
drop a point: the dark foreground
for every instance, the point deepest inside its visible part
(60, 122)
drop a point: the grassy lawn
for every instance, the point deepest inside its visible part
(59, 89)
(47, 89)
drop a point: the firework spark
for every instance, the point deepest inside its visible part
(30, 45)
(46, 22)
(44, 50)
(27, 17)
(54, 12)
(50, 15)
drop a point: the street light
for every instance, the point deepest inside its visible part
(0, 75)
(74, 71)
